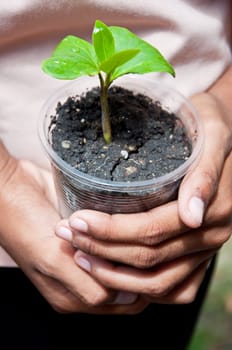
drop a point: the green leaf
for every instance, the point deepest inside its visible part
(72, 58)
(67, 68)
(148, 60)
(117, 60)
(103, 41)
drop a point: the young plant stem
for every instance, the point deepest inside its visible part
(106, 126)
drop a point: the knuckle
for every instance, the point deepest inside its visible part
(62, 305)
(87, 244)
(158, 289)
(210, 179)
(220, 237)
(187, 298)
(60, 308)
(153, 232)
(228, 208)
(145, 258)
(108, 228)
(96, 299)
(225, 210)
(47, 264)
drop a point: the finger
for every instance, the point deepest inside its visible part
(149, 228)
(92, 293)
(63, 230)
(70, 289)
(88, 290)
(186, 292)
(156, 282)
(63, 301)
(199, 186)
(58, 265)
(60, 298)
(149, 256)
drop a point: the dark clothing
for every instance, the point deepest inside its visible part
(29, 323)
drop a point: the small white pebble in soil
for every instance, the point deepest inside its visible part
(171, 137)
(130, 170)
(124, 154)
(66, 144)
(83, 119)
(84, 140)
(132, 148)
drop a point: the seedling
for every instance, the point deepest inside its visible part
(114, 52)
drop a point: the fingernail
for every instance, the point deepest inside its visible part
(196, 208)
(78, 224)
(83, 263)
(64, 232)
(125, 298)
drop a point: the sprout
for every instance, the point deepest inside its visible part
(114, 52)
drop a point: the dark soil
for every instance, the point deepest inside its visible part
(147, 141)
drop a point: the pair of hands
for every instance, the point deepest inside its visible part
(124, 262)
(161, 256)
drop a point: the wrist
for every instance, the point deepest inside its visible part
(221, 89)
(7, 164)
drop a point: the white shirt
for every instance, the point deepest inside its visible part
(194, 36)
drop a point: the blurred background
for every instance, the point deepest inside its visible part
(214, 329)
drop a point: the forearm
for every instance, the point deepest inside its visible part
(7, 164)
(222, 88)
(220, 116)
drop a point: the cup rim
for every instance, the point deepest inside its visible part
(122, 186)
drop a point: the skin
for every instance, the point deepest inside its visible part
(167, 249)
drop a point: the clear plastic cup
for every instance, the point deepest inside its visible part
(77, 190)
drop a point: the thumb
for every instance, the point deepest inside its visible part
(200, 184)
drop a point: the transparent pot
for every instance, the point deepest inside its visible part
(77, 190)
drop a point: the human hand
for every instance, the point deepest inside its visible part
(172, 243)
(27, 220)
